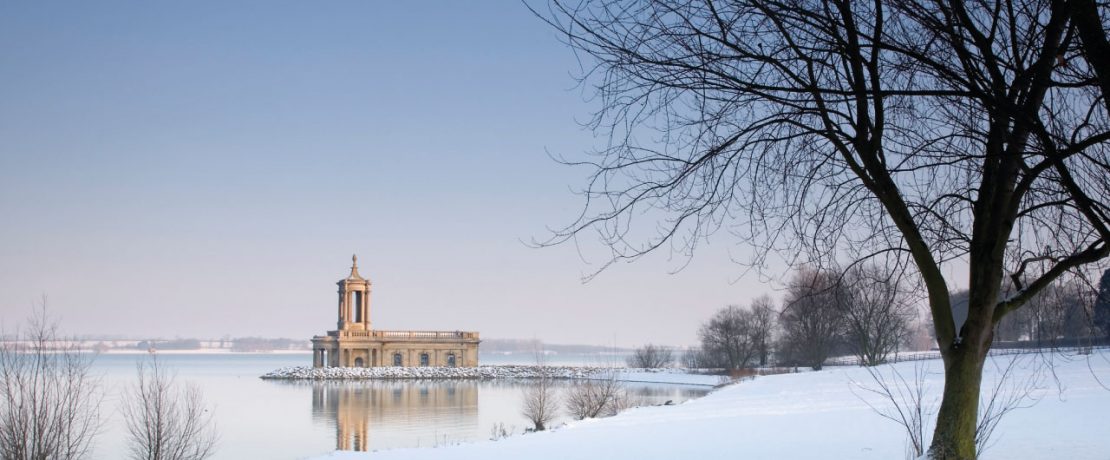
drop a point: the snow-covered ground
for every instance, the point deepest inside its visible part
(811, 415)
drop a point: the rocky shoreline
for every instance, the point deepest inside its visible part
(480, 372)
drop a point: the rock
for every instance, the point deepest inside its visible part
(480, 372)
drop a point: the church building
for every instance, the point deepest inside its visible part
(356, 344)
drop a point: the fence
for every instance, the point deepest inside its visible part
(1077, 345)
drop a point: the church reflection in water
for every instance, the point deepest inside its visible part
(384, 414)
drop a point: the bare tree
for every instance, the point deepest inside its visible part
(541, 401)
(598, 397)
(1102, 305)
(812, 321)
(877, 312)
(1062, 311)
(651, 356)
(728, 338)
(764, 318)
(696, 358)
(921, 336)
(921, 132)
(165, 421)
(49, 401)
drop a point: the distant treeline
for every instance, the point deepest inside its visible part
(531, 345)
(176, 344)
(236, 344)
(261, 344)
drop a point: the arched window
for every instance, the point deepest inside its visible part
(451, 360)
(397, 359)
(423, 360)
(358, 362)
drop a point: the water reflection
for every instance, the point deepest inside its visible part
(283, 419)
(381, 414)
(430, 411)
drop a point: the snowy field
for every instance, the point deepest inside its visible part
(813, 415)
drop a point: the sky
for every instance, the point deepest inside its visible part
(207, 168)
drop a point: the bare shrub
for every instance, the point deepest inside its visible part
(499, 431)
(49, 401)
(910, 404)
(1009, 392)
(541, 402)
(651, 356)
(165, 421)
(601, 397)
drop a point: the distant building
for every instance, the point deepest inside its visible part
(357, 344)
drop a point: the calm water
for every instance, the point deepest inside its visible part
(279, 419)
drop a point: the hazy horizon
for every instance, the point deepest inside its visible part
(205, 169)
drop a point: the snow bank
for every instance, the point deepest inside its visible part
(675, 376)
(814, 415)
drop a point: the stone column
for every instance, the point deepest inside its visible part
(366, 306)
(347, 307)
(342, 313)
(364, 309)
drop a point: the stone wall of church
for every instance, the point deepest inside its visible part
(371, 353)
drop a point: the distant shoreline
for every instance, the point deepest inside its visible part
(204, 351)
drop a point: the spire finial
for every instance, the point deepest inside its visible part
(354, 268)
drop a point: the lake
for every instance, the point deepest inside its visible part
(297, 419)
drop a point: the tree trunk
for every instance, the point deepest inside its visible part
(958, 417)
(964, 356)
(954, 436)
(1084, 15)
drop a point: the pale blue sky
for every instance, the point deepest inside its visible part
(207, 168)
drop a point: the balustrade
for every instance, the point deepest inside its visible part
(409, 335)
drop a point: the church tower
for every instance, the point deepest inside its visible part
(354, 301)
(355, 344)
